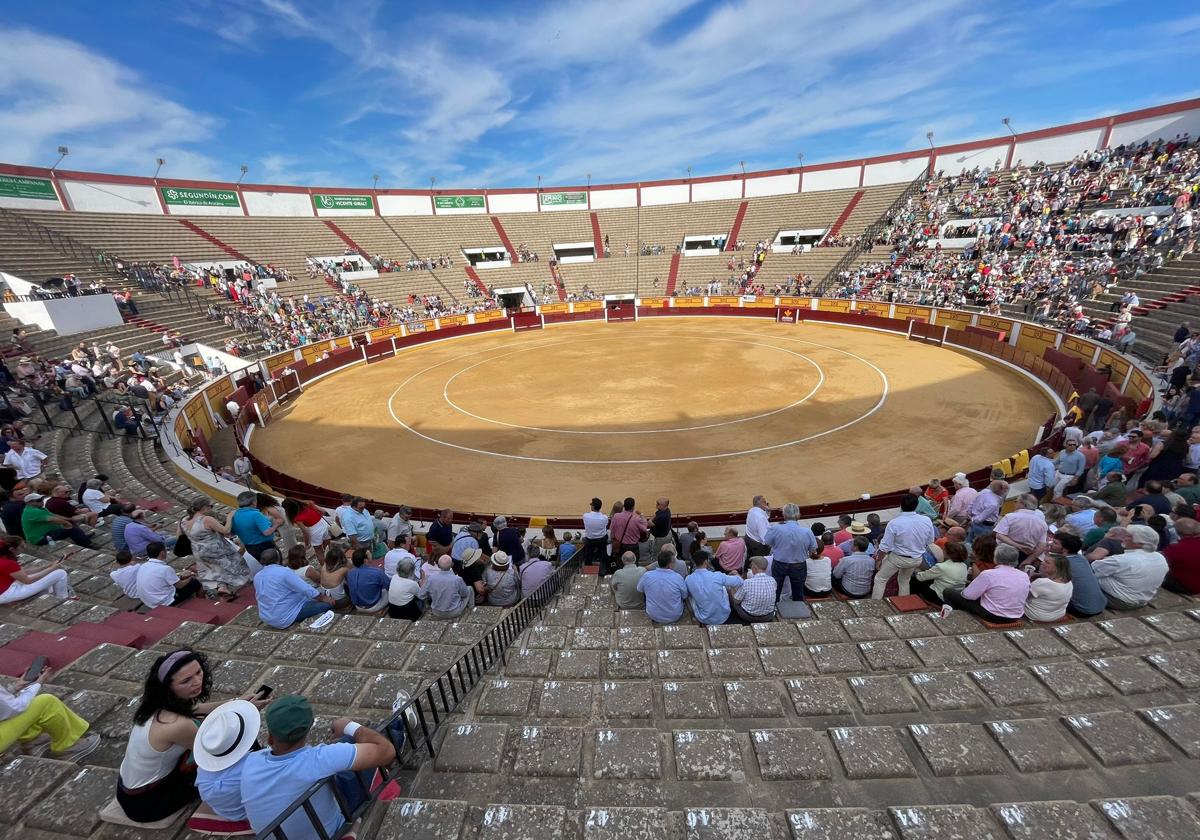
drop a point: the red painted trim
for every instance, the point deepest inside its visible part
(735, 229)
(274, 188)
(862, 174)
(1012, 150)
(203, 234)
(709, 179)
(345, 237)
(504, 240)
(673, 274)
(1107, 134)
(242, 201)
(474, 275)
(597, 236)
(845, 214)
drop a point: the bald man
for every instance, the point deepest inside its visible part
(660, 526)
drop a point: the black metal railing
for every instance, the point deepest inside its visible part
(63, 242)
(869, 236)
(424, 715)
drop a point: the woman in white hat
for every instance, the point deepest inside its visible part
(225, 737)
(502, 582)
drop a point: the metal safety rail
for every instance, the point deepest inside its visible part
(425, 714)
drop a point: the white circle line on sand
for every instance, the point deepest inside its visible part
(801, 401)
(878, 405)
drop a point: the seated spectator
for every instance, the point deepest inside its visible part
(754, 601)
(97, 501)
(119, 523)
(854, 575)
(709, 591)
(535, 572)
(1183, 559)
(447, 593)
(860, 529)
(1104, 520)
(401, 550)
(983, 554)
(1087, 599)
(40, 525)
(404, 591)
(688, 537)
(159, 585)
(948, 572)
(1050, 596)
(19, 585)
(818, 580)
(665, 590)
(125, 575)
(34, 722)
(283, 598)
(297, 561)
(225, 737)
(1111, 544)
(1131, 579)
(472, 569)
(139, 535)
(333, 571)
(830, 549)
(12, 508)
(60, 504)
(568, 547)
(624, 584)
(731, 553)
(367, 585)
(251, 526)
(996, 595)
(1024, 528)
(1114, 492)
(502, 581)
(155, 780)
(272, 779)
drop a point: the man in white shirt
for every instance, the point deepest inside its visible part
(243, 469)
(757, 524)
(95, 499)
(1131, 580)
(392, 559)
(903, 546)
(125, 575)
(26, 460)
(158, 585)
(595, 537)
(399, 526)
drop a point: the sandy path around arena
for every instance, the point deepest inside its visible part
(708, 411)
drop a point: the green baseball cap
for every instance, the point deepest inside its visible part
(289, 718)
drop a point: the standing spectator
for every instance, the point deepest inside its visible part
(1042, 474)
(251, 526)
(791, 545)
(902, 548)
(984, 511)
(359, 525)
(660, 525)
(1069, 467)
(627, 529)
(441, 535)
(595, 538)
(27, 461)
(243, 469)
(400, 525)
(757, 524)
(508, 540)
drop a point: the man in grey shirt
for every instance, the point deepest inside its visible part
(624, 583)
(447, 593)
(1068, 466)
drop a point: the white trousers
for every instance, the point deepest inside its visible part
(55, 583)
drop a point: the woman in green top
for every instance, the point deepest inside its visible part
(950, 572)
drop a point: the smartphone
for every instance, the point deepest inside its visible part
(264, 691)
(35, 668)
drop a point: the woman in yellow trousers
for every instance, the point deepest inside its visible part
(32, 719)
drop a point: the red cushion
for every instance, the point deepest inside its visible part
(13, 662)
(102, 633)
(910, 603)
(196, 610)
(154, 629)
(61, 650)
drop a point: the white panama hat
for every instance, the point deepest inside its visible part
(226, 735)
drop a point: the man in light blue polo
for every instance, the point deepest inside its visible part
(709, 590)
(249, 525)
(791, 546)
(1042, 474)
(664, 589)
(358, 524)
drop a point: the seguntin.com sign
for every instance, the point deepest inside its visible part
(199, 198)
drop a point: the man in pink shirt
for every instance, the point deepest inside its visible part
(996, 595)
(1024, 529)
(627, 529)
(961, 501)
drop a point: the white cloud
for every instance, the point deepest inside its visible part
(55, 91)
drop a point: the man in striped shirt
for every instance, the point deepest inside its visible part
(754, 602)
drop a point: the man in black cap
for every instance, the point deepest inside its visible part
(273, 779)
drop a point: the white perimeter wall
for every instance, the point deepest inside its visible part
(1151, 129)
(608, 199)
(713, 190)
(324, 211)
(831, 179)
(955, 163)
(405, 205)
(462, 211)
(668, 194)
(111, 198)
(1058, 149)
(773, 185)
(895, 171)
(30, 203)
(277, 203)
(179, 210)
(513, 202)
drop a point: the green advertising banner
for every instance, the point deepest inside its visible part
(18, 186)
(455, 202)
(199, 198)
(556, 198)
(343, 202)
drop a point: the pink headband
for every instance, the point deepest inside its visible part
(164, 670)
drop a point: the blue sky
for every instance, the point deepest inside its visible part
(497, 93)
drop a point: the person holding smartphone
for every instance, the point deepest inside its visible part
(37, 722)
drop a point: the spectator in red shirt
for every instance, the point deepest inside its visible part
(1183, 559)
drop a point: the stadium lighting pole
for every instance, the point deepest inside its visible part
(1008, 124)
(160, 162)
(244, 169)
(929, 137)
(63, 151)
(375, 182)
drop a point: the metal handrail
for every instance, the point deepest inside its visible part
(63, 241)
(867, 238)
(424, 716)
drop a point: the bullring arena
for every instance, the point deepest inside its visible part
(718, 409)
(305, 468)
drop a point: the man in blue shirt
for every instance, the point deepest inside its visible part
(358, 524)
(1042, 474)
(709, 590)
(272, 779)
(1069, 466)
(223, 741)
(283, 598)
(367, 585)
(440, 534)
(791, 547)
(249, 525)
(665, 591)
(1087, 599)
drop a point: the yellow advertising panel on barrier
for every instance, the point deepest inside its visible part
(914, 313)
(1036, 339)
(991, 322)
(688, 302)
(554, 308)
(451, 321)
(588, 305)
(490, 315)
(953, 320)
(1074, 346)
(833, 305)
(759, 303)
(870, 307)
(723, 300)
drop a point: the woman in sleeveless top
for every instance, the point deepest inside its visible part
(157, 776)
(333, 577)
(310, 522)
(219, 562)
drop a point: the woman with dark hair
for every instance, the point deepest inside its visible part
(269, 507)
(983, 554)
(307, 517)
(157, 776)
(333, 571)
(1162, 527)
(1167, 457)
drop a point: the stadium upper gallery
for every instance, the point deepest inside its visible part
(807, 447)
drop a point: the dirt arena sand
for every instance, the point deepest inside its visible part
(707, 411)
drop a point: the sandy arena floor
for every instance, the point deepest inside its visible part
(706, 411)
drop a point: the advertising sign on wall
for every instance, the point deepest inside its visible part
(456, 202)
(556, 198)
(18, 186)
(323, 201)
(199, 198)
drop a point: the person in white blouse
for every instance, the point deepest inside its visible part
(39, 722)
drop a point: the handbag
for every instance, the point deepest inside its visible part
(183, 546)
(335, 530)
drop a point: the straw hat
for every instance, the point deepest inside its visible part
(470, 557)
(500, 560)
(858, 529)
